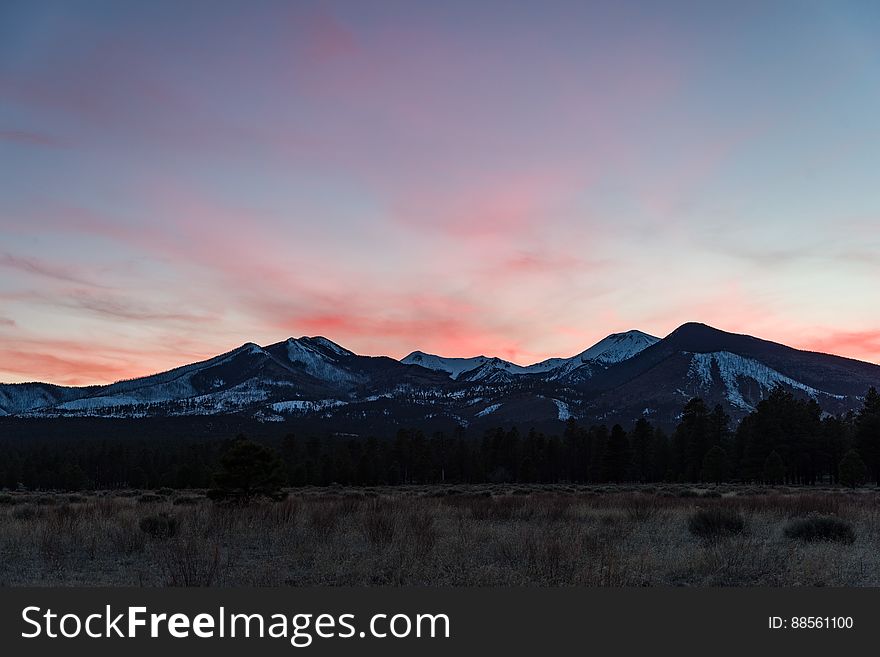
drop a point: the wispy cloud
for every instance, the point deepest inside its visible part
(117, 307)
(40, 267)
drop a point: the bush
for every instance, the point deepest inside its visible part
(159, 526)
(421, 533)
(820, 528)
(150, 498)
(715, 523)
(187, 500)
(325, 517)
(25, 512)
(378, 522)
(641, 508)
(6, 499)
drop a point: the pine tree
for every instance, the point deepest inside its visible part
(715, 465)
(774, 469)
(643, 450)
(616, 457)
(852, 469)
(692, 438)
(248, 471)
(868, 433)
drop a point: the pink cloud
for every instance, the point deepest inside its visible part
(82, 362)
(862, 345)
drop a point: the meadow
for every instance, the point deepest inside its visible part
(482, 535)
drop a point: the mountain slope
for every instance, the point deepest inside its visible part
(620, 378)
(734, 370)
(615, 348)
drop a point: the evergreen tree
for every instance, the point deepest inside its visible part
(867, 430)
(774, 469)
(715, 465)
(692, 439)
(643, 450)
(248, 471)
(615, 463)
(852, 469)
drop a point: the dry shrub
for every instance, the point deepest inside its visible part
(324, 517)
(25, 512)
(816, 527)
(715, 523)
(486, 507)
(125, 537)
(797, 504)
(281, 513)
(160, 526)
(378, 522)
(108, 507)
(191, 562)
(420, 530)
(556, 507)
(187, 500)
(641, 508)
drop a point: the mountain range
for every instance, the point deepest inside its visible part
(622, 377)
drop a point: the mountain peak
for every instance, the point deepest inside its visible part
(452, 366)
(691, 328)
(326, 343)
(618, 347)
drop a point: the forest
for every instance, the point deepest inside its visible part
(787, 439)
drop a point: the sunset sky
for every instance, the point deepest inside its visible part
(505, 178)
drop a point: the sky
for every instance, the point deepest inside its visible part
(516, 179)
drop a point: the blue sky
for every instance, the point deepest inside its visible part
(515, 179)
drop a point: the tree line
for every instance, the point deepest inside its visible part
(786, 439)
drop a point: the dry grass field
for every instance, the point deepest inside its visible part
(668, 535)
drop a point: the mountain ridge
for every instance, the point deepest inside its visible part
(621, 377)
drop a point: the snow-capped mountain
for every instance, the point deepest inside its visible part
(622, 377)
(455, 367)
(613, 349)
(616, 348)
(737, 371)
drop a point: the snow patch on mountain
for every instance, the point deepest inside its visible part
(455, 367)
(22, 397)
(94, 403)
(488, 410)
(493, 371)
(234, 399)
(305, 406)
(317, 363)
(733, 367)
(616, 348)
(564, 410)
